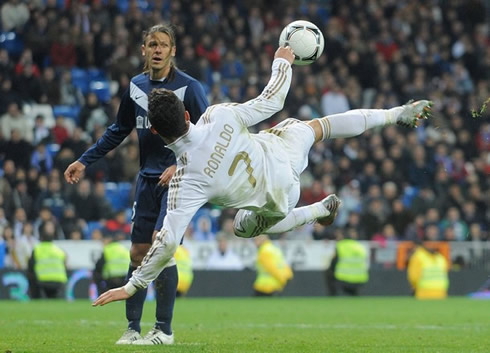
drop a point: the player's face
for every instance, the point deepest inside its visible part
(158, 51)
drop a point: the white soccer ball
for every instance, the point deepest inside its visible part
(305, 38)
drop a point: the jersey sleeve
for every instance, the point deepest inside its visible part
(184, 199)
(114, 134)
(195, 101)
(272, 98)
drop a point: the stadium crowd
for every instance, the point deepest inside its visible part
(77, 56)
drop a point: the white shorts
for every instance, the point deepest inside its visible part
(297, 137)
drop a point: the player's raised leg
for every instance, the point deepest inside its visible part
(355, 122)
(248, 224)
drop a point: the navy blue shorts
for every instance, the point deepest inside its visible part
(149, 209)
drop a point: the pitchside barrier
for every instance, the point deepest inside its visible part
(470, 268)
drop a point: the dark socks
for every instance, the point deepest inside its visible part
(134, 305)
(166, 290)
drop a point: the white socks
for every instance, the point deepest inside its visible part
(299, 216)
(355, 122)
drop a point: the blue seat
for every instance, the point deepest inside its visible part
(101, 89)
(125, 193)
(12, 43)
(123, 5)
(68, 111)
(143, 5)
(53, 149)
(118, 194)
(91, 226)
(96, 75)
(409, 194)
(80, 79)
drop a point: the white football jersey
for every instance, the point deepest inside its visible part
(220, 161)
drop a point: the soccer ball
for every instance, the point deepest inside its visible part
(305, 39)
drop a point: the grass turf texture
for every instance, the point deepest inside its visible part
(383, 324)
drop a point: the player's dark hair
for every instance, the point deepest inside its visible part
(168, 30)
(166, 113)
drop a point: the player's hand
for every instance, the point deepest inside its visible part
(285, 53)
(167, 175)
(111, 295)
(74, 172)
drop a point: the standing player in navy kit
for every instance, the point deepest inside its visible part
(150, 204)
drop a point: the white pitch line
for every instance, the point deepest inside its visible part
(274, 325)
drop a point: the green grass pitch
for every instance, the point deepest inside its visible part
(382, 324)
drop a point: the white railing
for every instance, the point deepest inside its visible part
(302, 255)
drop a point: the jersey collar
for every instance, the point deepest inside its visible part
(180, 145)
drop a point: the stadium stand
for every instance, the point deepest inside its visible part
(375, 57)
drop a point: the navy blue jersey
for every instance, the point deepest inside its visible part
(154, 157)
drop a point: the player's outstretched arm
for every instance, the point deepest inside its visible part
(272, 98)
(111, 295)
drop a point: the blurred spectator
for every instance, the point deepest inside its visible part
(59, 131)
(112, 267)
(6, 65)
(85, 202)
(372, 219)
(18, 221)
(47, 266)
(226, 228)
(420, 171)
(45, 215)
(273, 272)
(184, 268)
(424, 200)
(427, 274)
(40, 131)
(36, 38)
(41, 159)
(7, 94)
(14, 119)
(334, 100)
(131, 165)
(400, 217)
(69, 93)
(28, 84)
(25, 244)
(313, 194)
(203, 229)
(104, 208)
(453, 221)
(50, 87)
(54, 197)
(22, 199)
(415, 230)
(7, 238)
(18, 150)
(93, 114)
(70, 223)
(349, 268)
(223, 258)
(9, 170)
(3, 220)
(15, 15)
(118, 226)
(62, 52)
(75, 143)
